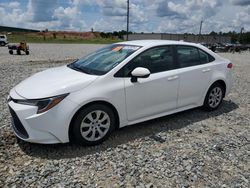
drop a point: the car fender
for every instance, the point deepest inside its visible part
(119, 107)
(216, 76)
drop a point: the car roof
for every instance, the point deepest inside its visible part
(152, 43)
(148, 43)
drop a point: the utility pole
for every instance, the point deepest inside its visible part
(200, 31)
(241, 31)
(127, 18)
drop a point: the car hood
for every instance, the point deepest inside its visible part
(52, 82)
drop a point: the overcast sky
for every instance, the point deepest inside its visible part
(170, 16)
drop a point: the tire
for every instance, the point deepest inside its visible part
(11, 52)
(18, 52)
(92, 125)
(27, 52)
(214, 97)
(2, 43)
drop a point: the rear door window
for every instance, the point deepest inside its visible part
(187, 56)
(204, 58)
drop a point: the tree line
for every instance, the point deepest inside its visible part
(118, 34)
(243, 38)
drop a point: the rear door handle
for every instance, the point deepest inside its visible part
(206, 70)
(173, 78)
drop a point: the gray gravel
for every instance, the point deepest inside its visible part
(189, 149)
(49, 52)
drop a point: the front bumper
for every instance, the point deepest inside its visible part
(47, 128)
(17, 125)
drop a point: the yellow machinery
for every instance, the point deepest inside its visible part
(22, 46)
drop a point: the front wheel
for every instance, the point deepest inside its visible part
(214, 97)
(93, 125)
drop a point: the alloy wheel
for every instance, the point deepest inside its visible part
(95, 125)
(215, 97)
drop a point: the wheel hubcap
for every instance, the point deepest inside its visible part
(215, 97)
(95, 125)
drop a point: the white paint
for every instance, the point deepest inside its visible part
(159, 94)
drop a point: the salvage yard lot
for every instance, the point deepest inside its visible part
(192, 148)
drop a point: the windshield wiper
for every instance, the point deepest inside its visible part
(72, 66)
(85, 70)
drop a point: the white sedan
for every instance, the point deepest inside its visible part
(121, 84)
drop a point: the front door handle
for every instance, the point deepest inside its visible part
(206, 70)
(173, 78)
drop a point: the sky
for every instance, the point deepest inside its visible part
(158, 16)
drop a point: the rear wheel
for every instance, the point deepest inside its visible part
(18, 52)
(27, 52)
(93, 125)
(214, 97)
(2, 43)
(11, 52)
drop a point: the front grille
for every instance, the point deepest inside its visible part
(17, 125)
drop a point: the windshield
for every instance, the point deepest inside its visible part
(103, 60)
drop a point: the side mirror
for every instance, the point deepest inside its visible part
(139, 72)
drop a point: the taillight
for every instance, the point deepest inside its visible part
(230, 65)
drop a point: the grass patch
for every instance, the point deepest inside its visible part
(59, 38)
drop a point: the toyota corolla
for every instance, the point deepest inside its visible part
(121, 84)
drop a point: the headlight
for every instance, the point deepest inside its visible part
(43, 104)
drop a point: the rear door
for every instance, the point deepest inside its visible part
(194, 72)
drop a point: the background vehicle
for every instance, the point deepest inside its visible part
(19, 47)
(119, 85)
(3, 40)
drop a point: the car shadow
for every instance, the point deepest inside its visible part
(15, 54)
(127, 134)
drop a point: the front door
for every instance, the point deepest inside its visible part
(157, 93)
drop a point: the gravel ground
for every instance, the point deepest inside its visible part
(49, 52)
(189, 149)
